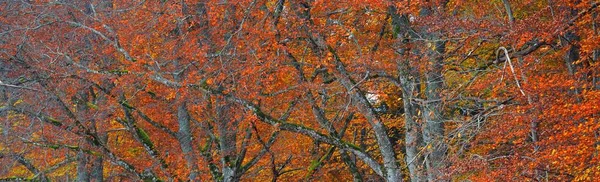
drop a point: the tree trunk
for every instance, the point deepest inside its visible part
(97, 171)
(433, 128)
(413, 137)
(408, 83)
(184, 135)
(227, 141)
(82, 173)
(433, 124)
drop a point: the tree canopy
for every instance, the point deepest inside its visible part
(302, 90)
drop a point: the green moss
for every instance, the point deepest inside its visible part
(150, 179)
(53, 121)
(152, 94)
(127, 105)
(119, 72)
(351, 145)
(134, 150)
(316, 163)
(14, 178)
(228, 160)
(396, 30)
(215, 172)
(313, 165)
(91, 105)
(93, 153)
(144, 137)
(72, 147)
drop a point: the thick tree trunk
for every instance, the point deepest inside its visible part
(433, 123)
(572, 55)
(97, 169)
(82, 173)
(413, 137)
(227, 142)
(184, 135)
(408, 83)
(433, 126)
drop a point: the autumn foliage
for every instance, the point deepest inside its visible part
(308, 90)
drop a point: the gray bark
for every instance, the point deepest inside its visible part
(509, 12)
(433, 123)
(184, 136)
(433, 128)
(408, 82)
(97, 169)
(572, 54)
(82, 173)
(227, 142)
(413, 136)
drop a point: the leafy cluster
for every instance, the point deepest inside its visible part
(307, 90)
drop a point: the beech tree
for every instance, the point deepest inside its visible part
(312, 90)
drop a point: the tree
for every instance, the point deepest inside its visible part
(299, 90)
